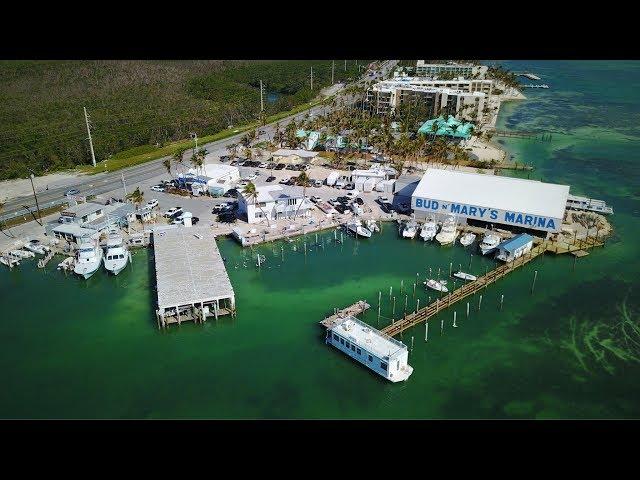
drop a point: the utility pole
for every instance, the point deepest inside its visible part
(86, 119)
(333, 67)
(36, 197)
(261, 98)
(345, 65)
(195, 136)
(124, 185)
(311, 78)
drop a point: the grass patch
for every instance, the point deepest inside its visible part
(146, 153)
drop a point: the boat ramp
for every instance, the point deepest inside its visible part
(191, 279)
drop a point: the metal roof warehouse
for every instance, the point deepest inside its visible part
(493, 199)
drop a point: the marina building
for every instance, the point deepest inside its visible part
(90, 219)
(274, 202)
(379, 352)
(215, 178)
(515, 247)
(484, 200)
(464, 69)
(385, 97)
(368, 180)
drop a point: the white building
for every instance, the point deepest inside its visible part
(367, 180)
(214, 177)
(460, 83)
(381, 353)
(490, 199)
(464, 69)
(385, 97)
(515, 247)
(82, 213)
(293, 155)
(274, 202)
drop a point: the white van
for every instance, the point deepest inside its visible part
(340, 184)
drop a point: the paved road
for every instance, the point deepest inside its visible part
(104, 182)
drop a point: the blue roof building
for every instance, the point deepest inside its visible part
(514, 247)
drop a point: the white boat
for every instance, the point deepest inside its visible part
(409, 229)
(467, 239)
(9, 261)
(465, 276)
(355, 226)
(448, 233)
(489, 243)
(372, 226)
(429, 230)
(436, 285)
(36, 247)
(117, 254)
(89, 258)
(22, 254)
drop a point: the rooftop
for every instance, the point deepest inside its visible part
(73, 229)
(189, 268)
(376, 342)
(82, 209)
(516, 242)
(491, 191)
(271, 193)
(392, 85)
(451, 127)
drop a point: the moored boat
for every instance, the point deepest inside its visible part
(89, 258)
(117, 255)
(36, 247)
(436, 285)
(22, 254)
(448, 233)
(355, 226)
(409, 229)
(429, 230)
(467, 239)
(465, 276)
(489, 243)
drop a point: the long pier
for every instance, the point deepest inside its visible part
(464, 291)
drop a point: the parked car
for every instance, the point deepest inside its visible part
(232, 193)
(227, 217)
(359, 201)
(152, 203)
(271, 178)
(383, 199)
(317, 183)
(72, 191)
(280, 166)
(284, 181)
(172, 211)
(315, 199)
(349, 186)
(177, 220)
(224, 158)
(194, 220)
(263, 165)
(220, 207)
(157, 188)
(340, 208)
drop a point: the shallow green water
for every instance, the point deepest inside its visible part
(84, 349)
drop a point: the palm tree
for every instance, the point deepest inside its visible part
(178, 156)
(232, 148)
(251, 193)
(303, 181)
(167, 164)
(137, 197)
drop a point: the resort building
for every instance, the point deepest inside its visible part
(460, 83)
(274, 202)
(89, 220)
(385, 97)
(485, 200)
(464, 69)
(381, 353)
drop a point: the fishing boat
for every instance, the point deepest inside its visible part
(355, 226)
(22, 254)
(89, 258)
(372, 226)
(9, 261)
(448, 233)
(36, 247)
(489, 243)
(429, 230)
(467, 239)
(465, 276)
(117, 254)
(436, 285)
(409, 229)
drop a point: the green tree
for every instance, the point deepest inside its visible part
(251, 193)
(137, 197)
(303, 181)
(167, 165)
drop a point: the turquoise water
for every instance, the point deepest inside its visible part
(90, 349)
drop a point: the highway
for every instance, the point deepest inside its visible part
(109, 181)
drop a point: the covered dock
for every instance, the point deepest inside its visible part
(191, 279)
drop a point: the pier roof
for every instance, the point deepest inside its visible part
(189, 268)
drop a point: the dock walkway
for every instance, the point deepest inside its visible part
(350, 311)
(464, 291)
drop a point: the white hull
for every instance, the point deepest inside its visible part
(428, 231)
(465, 276)
(467, 239)
(489, 244)
(445, 238)
(22, 254)
(115, 266)
(39, 249)
(87, 268)
(360, 231)
(409, 232)
(435, 285)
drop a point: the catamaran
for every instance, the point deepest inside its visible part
(490, 242)
(448, 233)
(464, 276)
(467, 239)
(355, 226)
(409, 229)
(438, 285)
(89, 258)
(429, 230)
(117, 255)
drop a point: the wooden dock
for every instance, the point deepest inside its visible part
(464, 291)
(352, 310)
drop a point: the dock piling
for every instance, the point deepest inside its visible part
(390, 290)
(414, 289)
(470, 260)
(426, 331)
(406, 300)
(533, 284)
(479, 302)
(412, 343)
(418, 305)
(393, 310)
(441, 327)
(450, 267)
(501, 301)
(467, 309)
(454, 319)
